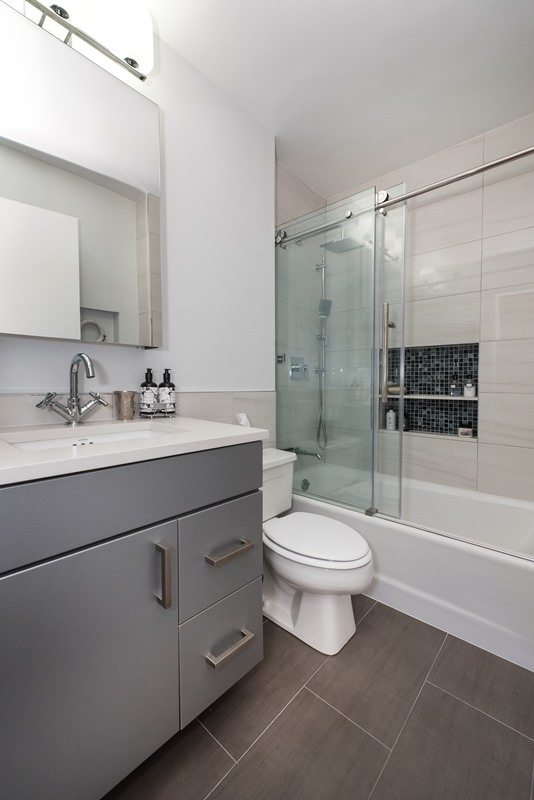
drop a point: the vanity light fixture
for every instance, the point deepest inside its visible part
(121, 26)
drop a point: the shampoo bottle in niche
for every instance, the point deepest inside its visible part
(148, 396)
(167, 395)
(391, 420)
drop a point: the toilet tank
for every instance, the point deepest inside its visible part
(277, 481)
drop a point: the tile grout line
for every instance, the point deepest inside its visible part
(263, 731)
(408, 716)
(345, 717)
(253, 743)
(216, 740)
(480, 711)
(367, 612)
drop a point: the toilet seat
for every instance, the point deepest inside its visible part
(316, 540)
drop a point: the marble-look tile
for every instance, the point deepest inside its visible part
(294, 198)
(442, 320)
(350, 330)
(295, 411)
(143, 293)
(141, 216)
(509, 205)
(507, 366)
(445, 223)
(450, 462)
(153, 203)
(260, 407)
(155, 293)
(214, 406)
(448, 271)
(437, 459)
(157, 329)
(142, 254)
(464, 156)
(507, 313)
(505, 140)
(508, 259)
(506, 419)
(154, 253)
(506, 471)
(145, 329)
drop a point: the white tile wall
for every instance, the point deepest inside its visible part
(507, 313)
(506, 419)
(506, 470)
(443, 320)
(455, 220)
(508, 259)
(443, 272)
(293, 197)
(507, 366)
(438, 459)
(509, 205)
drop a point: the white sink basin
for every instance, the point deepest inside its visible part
(88, 437)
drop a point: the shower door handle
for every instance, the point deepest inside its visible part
(386, 325)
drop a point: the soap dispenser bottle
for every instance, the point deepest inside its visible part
(148, 396)
(167, 395)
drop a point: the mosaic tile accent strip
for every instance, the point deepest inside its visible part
(430, 370)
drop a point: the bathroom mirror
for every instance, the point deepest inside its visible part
(79, 203)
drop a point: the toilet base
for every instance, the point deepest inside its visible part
(323, 621)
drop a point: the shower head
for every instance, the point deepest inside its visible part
(342, 245)
(324, 307)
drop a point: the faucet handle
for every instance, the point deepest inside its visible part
(96, 396)
(47, 399)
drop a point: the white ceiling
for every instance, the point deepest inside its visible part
(355, 88)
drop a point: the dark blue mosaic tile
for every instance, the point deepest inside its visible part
(430, 370)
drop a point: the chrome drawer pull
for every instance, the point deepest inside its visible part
(218, 561)
(219, 661)
(165, 551)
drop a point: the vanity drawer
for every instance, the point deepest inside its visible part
(218, 647)
(48, 517)
(219, 550)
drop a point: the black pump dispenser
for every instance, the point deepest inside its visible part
(148, 396)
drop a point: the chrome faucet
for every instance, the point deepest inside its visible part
(74, 412)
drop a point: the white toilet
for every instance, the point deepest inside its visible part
(313, 564)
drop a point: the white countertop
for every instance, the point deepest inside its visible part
(151, 439)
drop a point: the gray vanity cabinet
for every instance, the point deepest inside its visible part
(89, 667)
(130, 599)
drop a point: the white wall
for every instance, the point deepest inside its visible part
(218, 256)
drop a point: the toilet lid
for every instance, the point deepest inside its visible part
(316, 537)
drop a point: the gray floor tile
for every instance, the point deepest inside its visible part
(493, 685)
(310, 753)
(376, 677)
(361, 604)
(188, 766)
(240, 715)
(449, 751)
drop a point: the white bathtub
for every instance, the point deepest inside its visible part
(476, 593)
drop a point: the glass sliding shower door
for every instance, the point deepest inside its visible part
(325, 275)
(335, 270)
(389, 416)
